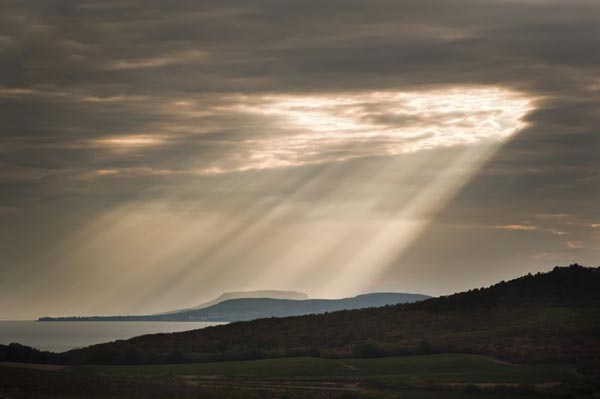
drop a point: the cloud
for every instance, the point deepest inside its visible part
(157, 62)
(129, 141)
(256, 132)
(517, 227)
(332, 127)
(300, 111)
(575, 244)
(558, 232)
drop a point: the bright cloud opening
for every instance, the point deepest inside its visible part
(336, 127)
(130, 141)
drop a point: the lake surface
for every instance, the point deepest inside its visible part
(59, 336)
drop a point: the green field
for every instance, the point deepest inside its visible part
(427, 376)
(445, 368)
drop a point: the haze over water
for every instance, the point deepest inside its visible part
(64, 335)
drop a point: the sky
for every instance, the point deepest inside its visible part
(155, 154)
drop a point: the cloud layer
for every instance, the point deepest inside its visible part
(257, 130)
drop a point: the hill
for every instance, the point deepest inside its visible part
(261, 307)
(257, 308)
(243, 295)
(553, 316)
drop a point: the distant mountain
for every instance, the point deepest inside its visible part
(545, 317)
(258, 308)
(250, 308)
(243, 295)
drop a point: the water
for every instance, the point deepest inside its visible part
(59, 336)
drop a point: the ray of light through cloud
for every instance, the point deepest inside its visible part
(356, 147)
(153, 156)
(475, 121)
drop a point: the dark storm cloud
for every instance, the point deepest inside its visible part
(80, 78)
(75, 72)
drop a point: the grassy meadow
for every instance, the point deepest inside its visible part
(426, 376)
(444, 367)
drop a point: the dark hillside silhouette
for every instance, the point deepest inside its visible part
(545, 317)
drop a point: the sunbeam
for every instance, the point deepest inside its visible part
(325, 201)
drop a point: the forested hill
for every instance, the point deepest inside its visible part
(553, 316)
(574, 285)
